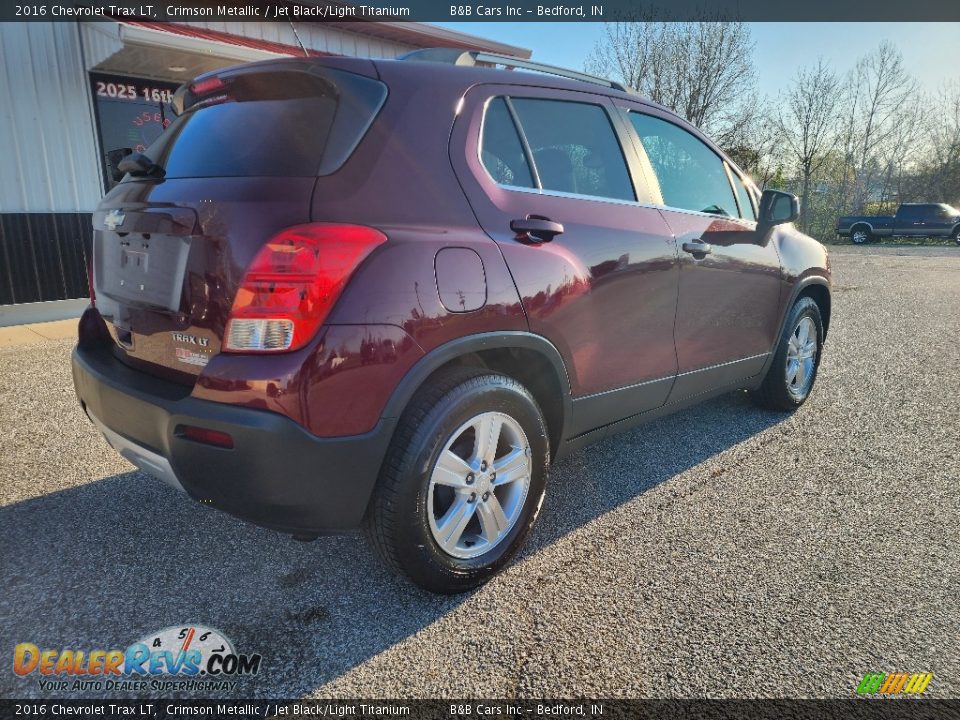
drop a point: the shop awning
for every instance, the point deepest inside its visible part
(221, 38)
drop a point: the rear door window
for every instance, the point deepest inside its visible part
(691, 175)
(575, 149)
(290, 124)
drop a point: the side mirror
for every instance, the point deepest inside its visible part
(113, 161)
(778, 207)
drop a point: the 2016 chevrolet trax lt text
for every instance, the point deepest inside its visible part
(344, 293)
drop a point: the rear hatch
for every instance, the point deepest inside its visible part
(239, 164)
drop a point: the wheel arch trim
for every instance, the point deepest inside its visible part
(798, 287)
(450, 351)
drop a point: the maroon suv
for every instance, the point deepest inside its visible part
(344, 293)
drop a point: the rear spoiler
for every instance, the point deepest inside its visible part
(208, 86)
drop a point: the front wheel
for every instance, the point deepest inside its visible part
(793, 371)
(463, 480)
(956, 235)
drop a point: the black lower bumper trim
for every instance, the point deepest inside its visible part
(277, 475)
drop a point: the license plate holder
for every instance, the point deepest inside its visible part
(146, 271)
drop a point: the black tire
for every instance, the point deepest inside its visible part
(776, 392)
(398, 524)
(861, 235)
(956, 235)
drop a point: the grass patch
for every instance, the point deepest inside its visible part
(896, 242)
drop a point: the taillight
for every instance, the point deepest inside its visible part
(293, 283)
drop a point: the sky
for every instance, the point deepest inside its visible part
(931, 52)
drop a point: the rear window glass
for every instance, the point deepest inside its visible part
(289, 124)
(500, 149)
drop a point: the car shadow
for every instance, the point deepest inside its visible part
(101, 565)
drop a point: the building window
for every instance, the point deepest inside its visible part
(131, 114)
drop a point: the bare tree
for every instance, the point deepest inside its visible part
(758, 147)
(702, 70)
(879, 87)
(941, 167)
(839, 144)
(807, 126)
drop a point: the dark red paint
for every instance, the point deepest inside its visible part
(614, 293)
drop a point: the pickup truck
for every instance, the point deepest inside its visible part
(911, 220)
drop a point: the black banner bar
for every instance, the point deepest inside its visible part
(481, 10)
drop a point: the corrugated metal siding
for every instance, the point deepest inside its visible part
(50, 167)
(100, 41)
(314, 36)
(43, 256)
(50, 160)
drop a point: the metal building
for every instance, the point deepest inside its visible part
(71, 92)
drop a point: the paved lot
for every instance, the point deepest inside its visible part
(773, 556)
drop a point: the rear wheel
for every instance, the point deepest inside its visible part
(793, 371)
(861, 236)
(956, 235)
(462, 482)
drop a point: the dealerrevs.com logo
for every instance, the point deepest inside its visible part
(189, 657)
(898, 683)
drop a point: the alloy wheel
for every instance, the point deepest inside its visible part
(479, 485)
(801, 357)
(860, 237)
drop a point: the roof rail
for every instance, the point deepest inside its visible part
(454, 56)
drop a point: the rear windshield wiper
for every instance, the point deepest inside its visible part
(139, 165)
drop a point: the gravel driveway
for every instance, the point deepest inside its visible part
(721, 552)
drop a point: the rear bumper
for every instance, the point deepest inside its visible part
(277, 475)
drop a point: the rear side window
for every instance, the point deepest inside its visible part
(743, 197)
(287, 124)
(500, 148)
(575, 149)
(691, 175)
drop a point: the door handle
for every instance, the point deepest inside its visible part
(698, 248)
(536, 229)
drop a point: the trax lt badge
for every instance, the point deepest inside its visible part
(191, 339)
(114, 219)
(190, 357)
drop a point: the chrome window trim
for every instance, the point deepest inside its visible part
(534, 176)
(536, 173)
(617, 201)
(578, 196)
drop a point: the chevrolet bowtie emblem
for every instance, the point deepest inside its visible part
(114, 219)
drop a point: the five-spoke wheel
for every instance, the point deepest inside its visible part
(802, 357)
(479, 484)
(793, 369)
(463, 480)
